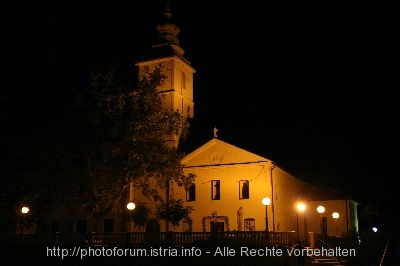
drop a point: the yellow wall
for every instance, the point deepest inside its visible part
(229, 203)
(218, 160)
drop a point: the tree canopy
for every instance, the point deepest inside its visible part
(173, 211)
(113, 133)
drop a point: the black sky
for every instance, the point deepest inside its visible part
(311, 86)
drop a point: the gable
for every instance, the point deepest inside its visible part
(216, 152)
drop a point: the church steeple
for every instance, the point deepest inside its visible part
(167, 31)
(166, 39)
(177, 90)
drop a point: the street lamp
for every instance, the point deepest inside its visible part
(24, 211)
(300, 208)
(321, 210)
(335, 216)
(130, 206)
(266, 201)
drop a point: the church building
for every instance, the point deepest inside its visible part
(233, 189)
(236, 189)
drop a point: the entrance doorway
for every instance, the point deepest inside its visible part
(217, 226)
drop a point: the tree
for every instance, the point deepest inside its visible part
(140, 214)
(114, 132)
(120, 133)
(173, 211)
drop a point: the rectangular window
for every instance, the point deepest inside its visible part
(215, 189)
(244, 192)
(191, 193)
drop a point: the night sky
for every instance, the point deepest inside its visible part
(310, 85)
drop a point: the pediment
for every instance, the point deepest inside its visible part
(216, 152)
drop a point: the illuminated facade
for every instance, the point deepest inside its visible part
(231, 183)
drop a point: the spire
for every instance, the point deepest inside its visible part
(166, 30)
(165, 39)
(167, 13)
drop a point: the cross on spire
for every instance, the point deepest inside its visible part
(215, 130)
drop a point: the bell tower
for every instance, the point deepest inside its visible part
(177, 91)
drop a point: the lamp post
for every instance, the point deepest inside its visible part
(24, 211)
(321, 210)
(266, 201)
(130, 206)
(300, 208)
(335, 216)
